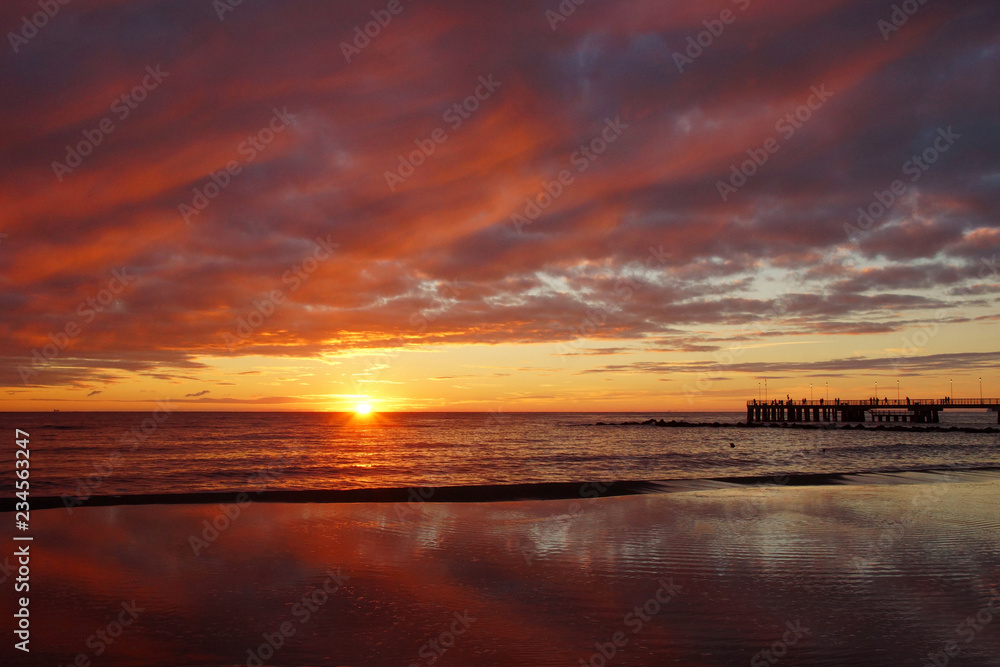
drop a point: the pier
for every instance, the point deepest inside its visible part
(915, 410)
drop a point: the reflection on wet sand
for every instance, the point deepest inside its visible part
(812, 575)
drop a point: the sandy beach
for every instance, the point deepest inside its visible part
(827, 575)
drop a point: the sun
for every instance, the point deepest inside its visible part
(363, 409)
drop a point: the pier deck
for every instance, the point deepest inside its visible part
(916, 410)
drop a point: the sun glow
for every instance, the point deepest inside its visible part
(363, 409)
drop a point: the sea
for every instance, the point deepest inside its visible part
(887, 562)
(86, 454)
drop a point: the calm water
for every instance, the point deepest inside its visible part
(97, 453)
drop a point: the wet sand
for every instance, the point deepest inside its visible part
(826, 575)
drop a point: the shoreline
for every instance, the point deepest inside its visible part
(493, 493)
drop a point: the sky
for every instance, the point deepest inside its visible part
(496, 205)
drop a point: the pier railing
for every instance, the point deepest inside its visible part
(943, 402)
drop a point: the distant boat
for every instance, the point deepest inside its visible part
(55, 411)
